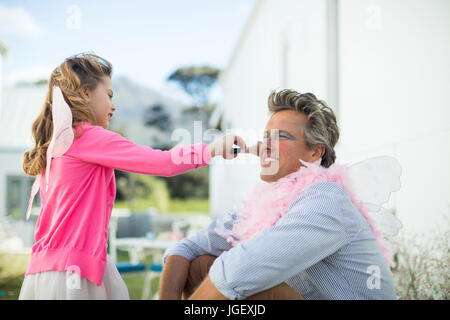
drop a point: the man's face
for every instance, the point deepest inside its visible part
(284, 145)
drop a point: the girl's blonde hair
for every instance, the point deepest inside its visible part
(81, 71)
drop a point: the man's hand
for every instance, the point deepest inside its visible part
(207, 291)
(173, 278)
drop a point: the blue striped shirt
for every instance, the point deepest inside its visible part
(322, 247)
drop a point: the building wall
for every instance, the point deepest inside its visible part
(2, 181)
(394, 97)
(283, 42)
(21, 106)
(1, 82)
(390, 92)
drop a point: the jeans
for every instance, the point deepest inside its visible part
(199, 269)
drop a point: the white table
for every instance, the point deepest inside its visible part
(141, 248)
(147, 250)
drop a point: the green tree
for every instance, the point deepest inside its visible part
(196, 81)
(191, 184)
(157, 116)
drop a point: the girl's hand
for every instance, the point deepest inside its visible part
(224, 146)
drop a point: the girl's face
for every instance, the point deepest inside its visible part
(100, 100)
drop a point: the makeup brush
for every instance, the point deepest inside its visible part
(253, 149)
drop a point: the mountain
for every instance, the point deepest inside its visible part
(133, 102)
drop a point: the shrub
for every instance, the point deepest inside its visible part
(421, 265)
(192, 184)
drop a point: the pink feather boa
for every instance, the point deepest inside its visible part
(268, 202)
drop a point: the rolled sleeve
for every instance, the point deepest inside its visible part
(312, 229)
(206, 241)
(181, 249)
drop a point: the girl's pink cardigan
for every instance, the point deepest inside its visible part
(72, 229)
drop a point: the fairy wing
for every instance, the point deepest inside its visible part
(34, 190)
(373, 180)
(62, 137)
(384, 220)
(62, 121)
(61, 141)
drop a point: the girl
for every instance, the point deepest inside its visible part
(75, 156)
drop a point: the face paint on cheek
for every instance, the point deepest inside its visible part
(284, 148)
(282, 153)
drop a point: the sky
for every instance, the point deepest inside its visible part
(144, 40)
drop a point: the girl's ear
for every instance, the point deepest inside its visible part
(86, 93)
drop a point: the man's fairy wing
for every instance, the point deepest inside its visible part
(384, 220)
(373, 180)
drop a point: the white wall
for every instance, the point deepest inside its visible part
(295, 30)
(1, 82)
(392, 90)
(2, 181)
(394, 93)
(21, 106)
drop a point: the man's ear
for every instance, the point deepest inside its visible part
(318, 152)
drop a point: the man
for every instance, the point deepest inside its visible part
(323, 248)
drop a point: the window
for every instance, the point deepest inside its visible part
(18, 190)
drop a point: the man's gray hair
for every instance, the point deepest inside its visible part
(321, 127)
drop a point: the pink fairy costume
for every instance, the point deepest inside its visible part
(78, 191)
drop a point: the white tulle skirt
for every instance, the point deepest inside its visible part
(65, 285)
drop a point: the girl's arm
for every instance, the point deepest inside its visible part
(107, 148)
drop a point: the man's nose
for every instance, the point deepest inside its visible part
(268, 140)
(270, 145)
(113, 108)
